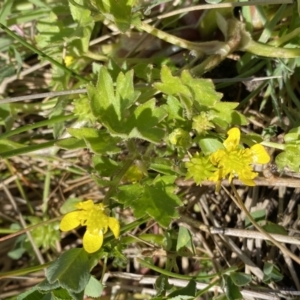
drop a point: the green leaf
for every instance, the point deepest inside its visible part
(162, 285)
(174, 109)
(257, 215)
(240, 279)
(103, 144)
(105, 166)
(189, 290)
(146, 72)
(70, 143)
(76, 296)
(156, 199)
(113, 109)
(16, 253)
(32, 294)
(71, 270)
(232, 291)
(163, 165)
(289, 158)
(170, 84)
(81, 133)
(69, 205)
(144, 122)
(118, 12)
(45, 286)
(5, 10)
(293, 135)
(7, 145)
(61, 294)
(184, 238)
(94, 288)
(274, 228)
(210, 145)
(98, 141)
(102, 97)
(7, 71)
(203, 90)
(224, 112)
(125, 91)
(271, 273)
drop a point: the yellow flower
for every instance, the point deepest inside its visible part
(235, 161)
(96, 221)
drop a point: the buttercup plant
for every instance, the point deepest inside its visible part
(125, 112)
(92, 216)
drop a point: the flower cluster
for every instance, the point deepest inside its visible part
(230, 161)
(92, 216)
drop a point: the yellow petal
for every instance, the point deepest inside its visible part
(114, 226)
(85, 205)
(70, 221)
(92, 242)
(260, 155)
(247, 177)
(233, 139)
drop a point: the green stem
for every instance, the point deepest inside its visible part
(24, 271)
(285, 38)
(256, 48)
(48, 122)
(211, 47)
(273, 145)
(42, 54)
(179, 276)
(46, 189)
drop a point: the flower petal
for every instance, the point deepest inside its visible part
(85, 205)
(114, 226)
(260, 155)
(70, 221)
(92, 242)
(233, 139)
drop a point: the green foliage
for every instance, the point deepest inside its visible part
(119, 12)
(94, 288)
(290, 157)
(44, 236)
(232, 291)
(187, 292)
(70, 271)
(271, 273)
(141, 119)
(155, 198)
(114, 108)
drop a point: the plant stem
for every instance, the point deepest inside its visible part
(24, 271)
(179, 276)
(28, 149)
(211, 47)
(248, 45)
